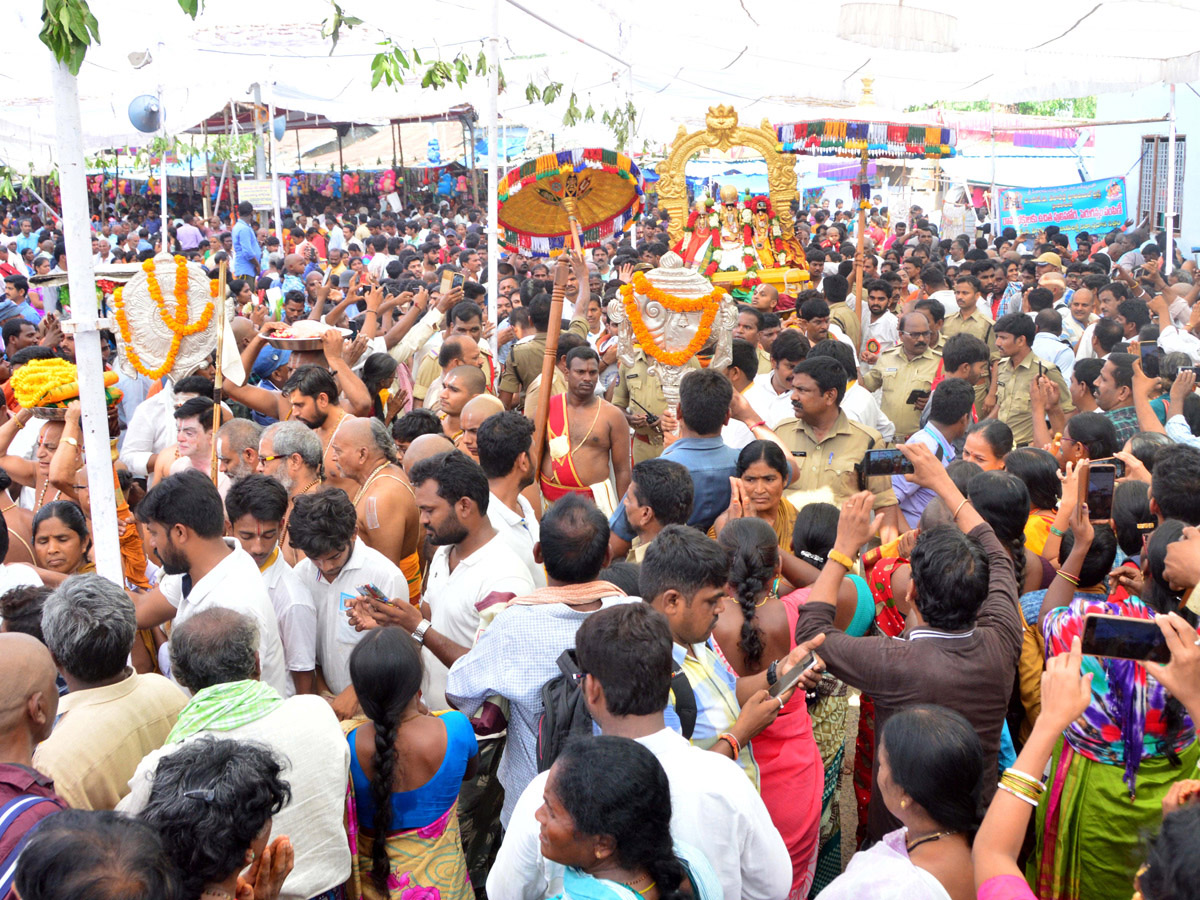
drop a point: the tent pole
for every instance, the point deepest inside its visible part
(162, 167)
(1169, 254)
(81, 279)
(493, 202)
(993, 206)
(274, 177)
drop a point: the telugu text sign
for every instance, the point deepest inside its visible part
(1093, 206)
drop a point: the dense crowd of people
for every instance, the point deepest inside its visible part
(393, 649)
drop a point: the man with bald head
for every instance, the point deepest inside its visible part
(28, 705)
(765, 298)
(363, 451)
(473, 414)
(423, 447)
(459, 385)
(1082, 313)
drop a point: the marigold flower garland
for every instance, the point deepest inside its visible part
(707, 305)
(177, 322)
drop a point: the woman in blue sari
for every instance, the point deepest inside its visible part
(606, 816)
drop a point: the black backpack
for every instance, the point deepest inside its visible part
(565, 713)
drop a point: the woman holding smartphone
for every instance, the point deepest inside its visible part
(1114, 765)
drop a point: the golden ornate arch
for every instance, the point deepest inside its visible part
(722, 132)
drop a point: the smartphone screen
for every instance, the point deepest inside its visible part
(915, 395)
(1151, 358)
(886, 462)
(1101, 481)
(793, 675)
(1124, 638)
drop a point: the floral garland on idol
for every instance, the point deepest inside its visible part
(708, 305)
(177, 321)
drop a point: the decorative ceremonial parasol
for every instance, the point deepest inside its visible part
(576, 197)
(597, 193)
(867, 137)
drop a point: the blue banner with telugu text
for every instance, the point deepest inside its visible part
(1093, 206)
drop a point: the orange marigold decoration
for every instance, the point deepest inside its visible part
(707, 305)
(176, 321)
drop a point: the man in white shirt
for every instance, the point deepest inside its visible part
(626, 652)
(152, 427)
(323, 526)
(1048, 343)
(742, 371)
(214, 655)
(472, 569)
(1108, 298)
(184, 522)
(503, 443)
(882, 325)
(789, 350)
(256, 506)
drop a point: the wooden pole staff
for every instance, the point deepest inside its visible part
(219, 318)
(858, 254)
(553, 331)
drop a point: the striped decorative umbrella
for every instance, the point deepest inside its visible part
(592, 194)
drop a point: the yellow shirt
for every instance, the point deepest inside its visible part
(899, 376)
(103, 733)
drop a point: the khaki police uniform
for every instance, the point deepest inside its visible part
(525, 361)
(846, 319)
(899, 376)
(638, 383)
(980, 326)
(1013, 404)
(976, 324)
(829, 463)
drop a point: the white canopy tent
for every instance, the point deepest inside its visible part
(674, 62)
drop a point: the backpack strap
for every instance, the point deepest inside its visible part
(10, 812)
(685, 700)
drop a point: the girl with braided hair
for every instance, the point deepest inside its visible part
(406, 768)
(758, 628)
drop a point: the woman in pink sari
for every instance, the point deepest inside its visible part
(760, 627)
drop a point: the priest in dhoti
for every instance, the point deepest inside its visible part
(587, 448)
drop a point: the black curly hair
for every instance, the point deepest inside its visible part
(209, 800)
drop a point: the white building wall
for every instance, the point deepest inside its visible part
(1118, 147)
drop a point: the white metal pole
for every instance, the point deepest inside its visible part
(274, 178)
(493, 46)
(993, 206)
(1169, 252)
(162, 169)
(77, 232)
